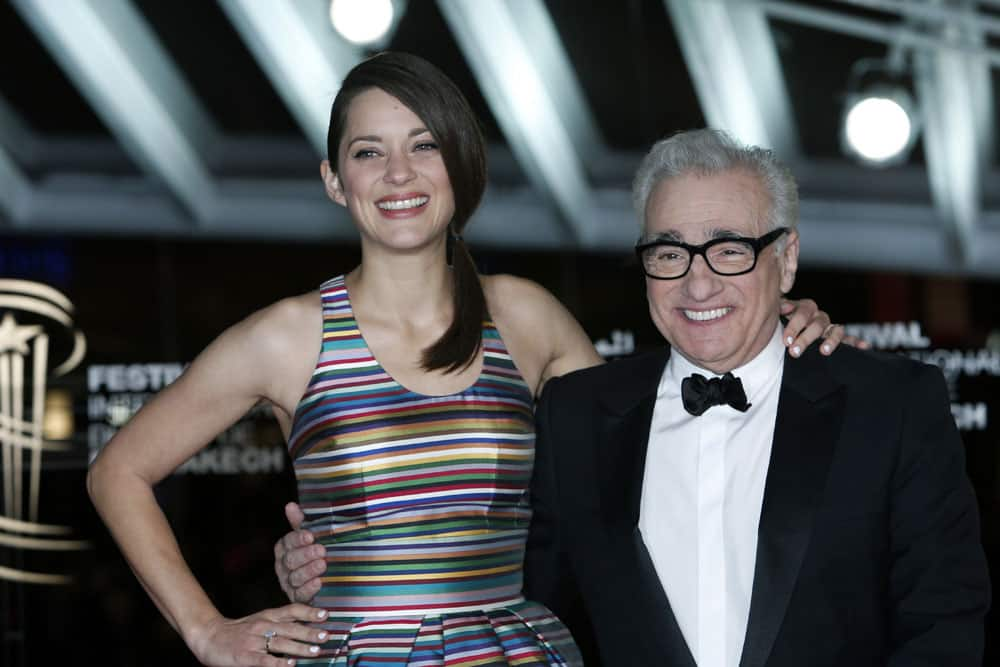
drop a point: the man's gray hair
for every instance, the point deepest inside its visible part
(706, 152)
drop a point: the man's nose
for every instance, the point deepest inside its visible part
(701, 282)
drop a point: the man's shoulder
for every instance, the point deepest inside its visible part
(640, 368)
(877, 369)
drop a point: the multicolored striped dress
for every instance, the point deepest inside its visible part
(421, 502)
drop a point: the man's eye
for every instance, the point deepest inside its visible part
(731, 250)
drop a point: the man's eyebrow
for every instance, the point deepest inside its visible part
(664, 237)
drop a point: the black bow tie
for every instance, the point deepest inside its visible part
(700, 393)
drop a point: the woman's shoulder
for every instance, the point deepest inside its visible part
(542, 335)
(285, 325)
(515, 297)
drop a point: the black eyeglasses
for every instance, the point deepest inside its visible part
(727, 256)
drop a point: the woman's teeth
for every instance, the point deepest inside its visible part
(400, 204)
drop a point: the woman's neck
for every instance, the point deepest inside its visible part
(410, 288)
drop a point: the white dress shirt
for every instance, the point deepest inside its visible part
(701, 498)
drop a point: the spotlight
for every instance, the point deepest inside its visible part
(363, 22)
(879, 126)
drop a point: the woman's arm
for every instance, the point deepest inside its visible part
(224, 382)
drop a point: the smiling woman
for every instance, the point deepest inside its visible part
(405, 389)
(411, 117)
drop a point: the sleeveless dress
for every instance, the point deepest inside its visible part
(422, 505)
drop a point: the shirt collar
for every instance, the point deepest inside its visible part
(757, 375)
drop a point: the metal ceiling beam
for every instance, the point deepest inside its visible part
(955, 92)
(114, 59)
(545, 47)
(514, 51)
(17, 143)
(249, 209)
(933, 11)
(878, 31)
(15, 189)
(15, 136)
(508, 218)
(302, 55)
(734, 66)
(878, 237)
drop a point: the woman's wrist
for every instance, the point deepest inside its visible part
(198, 630)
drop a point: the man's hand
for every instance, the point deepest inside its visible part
(298, 562)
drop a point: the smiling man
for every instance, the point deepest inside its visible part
(711, 505)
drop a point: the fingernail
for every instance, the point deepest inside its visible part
(826, 348)
(796, 350)
(291, 662)
(788, 341)
(322, 636)
(321, 613)
(314, 649)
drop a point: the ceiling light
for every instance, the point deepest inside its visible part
(880, 123)
(362, 21)
(879, 127)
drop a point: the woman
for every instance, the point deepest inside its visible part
(412, 443)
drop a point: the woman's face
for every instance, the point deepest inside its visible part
(391, 174)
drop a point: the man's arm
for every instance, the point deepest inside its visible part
(548, 576)
(939, 586)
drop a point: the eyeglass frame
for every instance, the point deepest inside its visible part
(757, 244)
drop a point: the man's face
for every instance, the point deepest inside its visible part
(717, 322)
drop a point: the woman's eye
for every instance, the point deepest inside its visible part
(426, 146)
(365, 153)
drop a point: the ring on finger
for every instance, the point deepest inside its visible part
(268, 636)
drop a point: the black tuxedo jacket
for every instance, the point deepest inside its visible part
(868, 547)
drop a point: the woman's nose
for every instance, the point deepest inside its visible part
(398, 168)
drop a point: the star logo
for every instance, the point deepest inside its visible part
(15, 337)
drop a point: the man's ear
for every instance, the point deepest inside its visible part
(789, 261)
(332, 183)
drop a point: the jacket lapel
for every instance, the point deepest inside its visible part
(810, 413)
(622, 460)
(628, 412)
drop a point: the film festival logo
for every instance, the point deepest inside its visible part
(38, 342)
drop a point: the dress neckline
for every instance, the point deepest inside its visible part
(341, 281)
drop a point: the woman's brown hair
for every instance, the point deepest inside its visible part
(438, 102)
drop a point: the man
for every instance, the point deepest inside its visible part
(821, 516)
(710, 505)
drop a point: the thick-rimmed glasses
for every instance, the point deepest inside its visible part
(726, 256)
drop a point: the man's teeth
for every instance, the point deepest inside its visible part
(705, 315)
(400, 204)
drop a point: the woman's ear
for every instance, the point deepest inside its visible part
(332, 183)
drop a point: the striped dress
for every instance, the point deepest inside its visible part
(421, 502)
